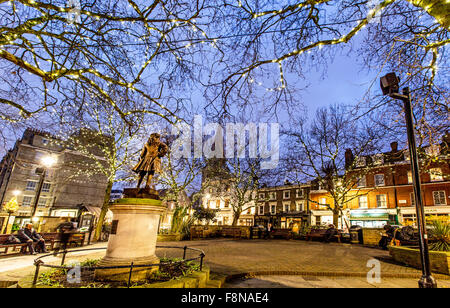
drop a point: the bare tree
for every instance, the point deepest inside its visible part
(108, 146)
(326, 152)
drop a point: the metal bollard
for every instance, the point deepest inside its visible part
(202, 255)
(184, 253)
(63, 257)
(129, 276)
(36, 273)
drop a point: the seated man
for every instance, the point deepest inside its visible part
(331, 231)
(30, 236)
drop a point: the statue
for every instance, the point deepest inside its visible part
(150, 159)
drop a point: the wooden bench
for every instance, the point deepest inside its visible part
(320, 234)
(75, 239)
(284, 233)
(6, 247)
(196, 233)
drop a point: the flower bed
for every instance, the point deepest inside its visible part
(439, 260)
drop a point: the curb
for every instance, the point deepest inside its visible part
(328, 274)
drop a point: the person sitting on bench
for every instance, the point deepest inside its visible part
(30, 236)
(331, 231)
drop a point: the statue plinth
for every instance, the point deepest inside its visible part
(148, 193)
(132, 239)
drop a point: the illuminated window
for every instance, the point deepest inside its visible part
(31, 185)
(436, 174)
(381, 201)
(439, 197)
(46, 187)
(379, 179)
(26, 201)
(362, 202)
(362, 181)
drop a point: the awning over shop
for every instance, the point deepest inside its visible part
(95, 210)
(369, 215)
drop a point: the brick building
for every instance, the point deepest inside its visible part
(385, 193)
(285, 206)
(64, 191)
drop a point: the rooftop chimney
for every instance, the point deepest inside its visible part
(394, 146)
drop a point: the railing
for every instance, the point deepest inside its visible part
(38, 263)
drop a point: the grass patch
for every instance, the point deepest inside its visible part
(168, 270)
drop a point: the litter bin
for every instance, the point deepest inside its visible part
(356, 236)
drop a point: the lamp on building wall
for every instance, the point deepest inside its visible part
(390, 86)
(47, 162)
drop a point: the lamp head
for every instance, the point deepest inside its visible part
(48, 161)
(389, 84)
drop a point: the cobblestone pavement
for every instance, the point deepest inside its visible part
(242, 256)
(263, 258)
(325, 282)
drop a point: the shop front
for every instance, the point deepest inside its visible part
(432, 213)
(373, 218)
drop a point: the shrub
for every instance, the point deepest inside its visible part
(440, 236)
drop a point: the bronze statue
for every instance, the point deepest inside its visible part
(150, 159)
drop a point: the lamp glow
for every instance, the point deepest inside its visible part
(49, 161)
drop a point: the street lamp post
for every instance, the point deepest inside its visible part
(47, 162)
(389, 86)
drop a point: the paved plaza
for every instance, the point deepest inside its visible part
(270, 263)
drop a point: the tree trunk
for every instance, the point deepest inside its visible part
(236, 216)
(439, 9)
(104, 210)
(336, 219)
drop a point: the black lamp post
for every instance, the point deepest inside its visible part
(389, 86)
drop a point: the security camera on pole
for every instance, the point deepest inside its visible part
(390, 86)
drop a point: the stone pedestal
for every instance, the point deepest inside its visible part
(132, 239)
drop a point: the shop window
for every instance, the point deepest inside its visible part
(379, 179)
(381, 201)
(439, 197)
(362, 202)
(436, 174)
